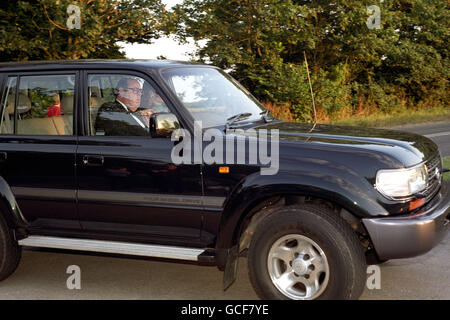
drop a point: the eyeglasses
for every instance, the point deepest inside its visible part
(134, 90)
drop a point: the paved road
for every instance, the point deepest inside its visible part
(42, 274)
(439, 132)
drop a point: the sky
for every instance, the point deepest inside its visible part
(165, 46)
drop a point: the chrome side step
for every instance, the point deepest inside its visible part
(117, 247)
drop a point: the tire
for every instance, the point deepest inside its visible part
(314, 250)
(10, 251)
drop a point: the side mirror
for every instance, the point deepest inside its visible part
(163, 124)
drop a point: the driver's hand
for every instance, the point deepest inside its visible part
(148, 112)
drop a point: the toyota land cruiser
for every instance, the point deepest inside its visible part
(90, 161)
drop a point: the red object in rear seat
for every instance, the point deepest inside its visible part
(54, 111)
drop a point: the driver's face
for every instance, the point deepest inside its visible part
(131, 95)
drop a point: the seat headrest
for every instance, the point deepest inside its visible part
(67, 104)
(94, 92)
(23, 106)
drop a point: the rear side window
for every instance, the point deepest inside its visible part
(43, 106)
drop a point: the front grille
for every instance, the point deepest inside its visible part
(434, 177)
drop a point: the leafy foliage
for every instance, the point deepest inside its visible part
(354, 70)
(446, 163)
(37, 29)
(404, 64)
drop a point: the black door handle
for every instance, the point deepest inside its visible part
(93, 160)
(3, 156)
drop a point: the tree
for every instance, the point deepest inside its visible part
(38, 29)
(262, 42)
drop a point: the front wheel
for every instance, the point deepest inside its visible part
(306, 252)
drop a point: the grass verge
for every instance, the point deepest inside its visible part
(399, 118)
(447, 165)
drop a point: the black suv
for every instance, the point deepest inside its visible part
(104, 156)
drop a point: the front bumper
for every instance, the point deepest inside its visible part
(412, 235)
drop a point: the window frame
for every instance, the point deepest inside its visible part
(76, 102)
(3, 86)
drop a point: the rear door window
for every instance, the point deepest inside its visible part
(43, 106)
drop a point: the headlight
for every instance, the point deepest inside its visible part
(402, 182)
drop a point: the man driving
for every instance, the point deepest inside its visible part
(121, 117)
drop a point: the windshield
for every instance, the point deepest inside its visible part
(211, 96)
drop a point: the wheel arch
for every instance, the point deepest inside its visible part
(9, 209)
(253, 195)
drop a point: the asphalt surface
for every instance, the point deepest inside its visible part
(439, 132)
(42, 274)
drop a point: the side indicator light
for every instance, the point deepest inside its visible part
(416, 204)
(224, 169)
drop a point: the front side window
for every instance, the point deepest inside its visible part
(211, 96)
(43, 105)
(121, 105)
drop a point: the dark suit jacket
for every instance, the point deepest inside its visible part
(114, 120)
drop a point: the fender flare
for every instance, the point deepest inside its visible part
(9, 208)
(353, 193)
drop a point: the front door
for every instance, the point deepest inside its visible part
(38, 146)
(128, 185)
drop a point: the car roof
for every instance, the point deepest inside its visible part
(93, 63)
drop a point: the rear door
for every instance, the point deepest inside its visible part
(38, 145)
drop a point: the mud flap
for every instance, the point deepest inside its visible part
(229, 275)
